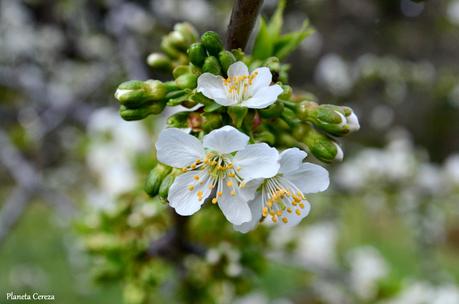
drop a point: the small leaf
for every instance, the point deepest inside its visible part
(289, 42)
(263, 45)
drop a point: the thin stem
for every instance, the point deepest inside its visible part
(242, 21)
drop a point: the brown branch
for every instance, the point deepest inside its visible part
(242, 21)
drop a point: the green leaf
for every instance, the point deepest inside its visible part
(289, 42)
(276, 21)
(264, 42)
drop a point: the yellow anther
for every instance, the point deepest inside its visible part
(238, 169)
(265, 211)
(272, 213)
(301, 205)
(191, 187)
(289, 210)
(200, 193)
(219, 193)
(193, 166)
(211, 187)
(184, 169)
(231, 174)
(229, 166)
(229, 183)
(196, 177)
(298, 211)
(269, 203)
(233, 193)
(279, 212)
(285, 220)
(274, 218)
(294, 203)
(214, 200)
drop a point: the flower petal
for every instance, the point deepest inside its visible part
(309, 178)
(238, 69)
(226, 140)
(212, 87)
(291, 159)
(184, 200)
(257, 161)
(261, 81)
(235, 207)
(256, 208)
(177, 148)
(263, 97)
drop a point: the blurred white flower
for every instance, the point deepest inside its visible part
(367, 268)
(451, 168)
(453, 12)
(334, 73)
(317, 244)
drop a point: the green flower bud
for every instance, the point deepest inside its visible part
(237, 114)
(167, 183)
(187, 31)
(304, 108)
(226, 59)
(273, 64)
(322, 147)
(159, 61)
(211, 65)
(136, 93)
(281, 124)
(212, 42)
(142, 112)
(178, 120)
(286, 140)
(189, 103)
(211, 121)
(335, 120)
(265, 136)
(197, 54)
(187, 81)
(178, 40)
(299, 132)
(180, 70)
(155, 178)
(274, 110)
(169, 49)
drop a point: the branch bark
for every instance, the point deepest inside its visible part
(242, 21)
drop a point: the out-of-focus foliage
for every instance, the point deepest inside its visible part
(387, 232)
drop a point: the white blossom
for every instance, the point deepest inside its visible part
(251, 90)
(283, 195)
(223, 166)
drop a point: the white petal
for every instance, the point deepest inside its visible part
(291, 159)
(177, 148)
(256, 208)
(261, 81)
(184, 201)
(226, 140)
(309, 178)
(235, 207)
(212, 87)
(257, 161)
(238, 69)
(353, 122)
(263, 97)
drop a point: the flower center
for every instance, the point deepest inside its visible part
(221, 172)
(237, 87)
(280, 195)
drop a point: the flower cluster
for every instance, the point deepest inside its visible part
(249, 182)
(236, 113)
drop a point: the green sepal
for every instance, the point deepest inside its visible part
(211, 121)
(187, 81)
(167, 183)
(237, 114)
(184, 95)
(274, 110)
(178, 120)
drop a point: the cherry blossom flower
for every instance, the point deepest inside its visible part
(224, 166)
(251, 90)
(281, 198)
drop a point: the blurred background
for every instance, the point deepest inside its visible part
(387, 231)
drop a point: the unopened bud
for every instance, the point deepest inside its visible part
(286, 93)
(335, 120)
(187, 31)
(265, 136)
(155, 178)
(323, 147)
(237, 114)
(159, 61)
(211, 65)
(226, 59)
(142, 112)
(273, 64)
(197, 54)
(212, 42)
(136, 93)
(169, 49)
(274, 110)
(186, 81)
(167, 183)
(180, 70)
